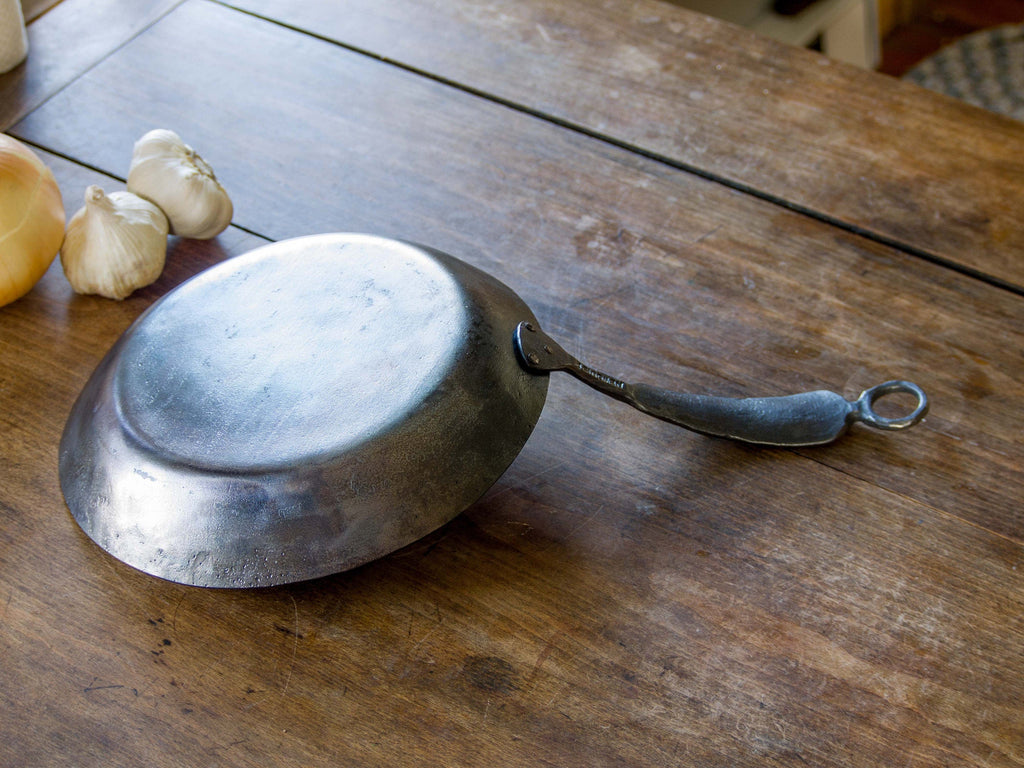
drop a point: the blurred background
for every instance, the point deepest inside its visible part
(972, 50)
(912, 30)
(888, 35)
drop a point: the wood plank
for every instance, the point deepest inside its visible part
(67, 41)
(780, 302)
(900, 163)
(32, 9)
(46, 339)
(537, 630)
(703, 617)
(629, 593)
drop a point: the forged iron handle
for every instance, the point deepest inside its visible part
(809, 418)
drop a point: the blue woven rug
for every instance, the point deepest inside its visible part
(985, 69)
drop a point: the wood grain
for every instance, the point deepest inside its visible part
(32, 9)
(887, 158)
(628, 593)
(65, 42)
(727, 293)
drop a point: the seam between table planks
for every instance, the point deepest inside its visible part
(540, 114)
(574, 126)
(9, 119)
(909, 499)
(413, 76)
(677, 164)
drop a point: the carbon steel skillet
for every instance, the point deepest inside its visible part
(319, 402)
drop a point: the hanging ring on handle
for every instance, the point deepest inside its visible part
(864, 407)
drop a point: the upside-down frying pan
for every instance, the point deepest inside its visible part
(319, 402)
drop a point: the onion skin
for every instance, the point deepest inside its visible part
(31, 219)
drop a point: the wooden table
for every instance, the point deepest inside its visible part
(685, 203)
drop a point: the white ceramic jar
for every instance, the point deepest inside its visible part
(13, 40)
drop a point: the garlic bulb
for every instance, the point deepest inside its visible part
(115, 244)
(167, 171)
(31, 219)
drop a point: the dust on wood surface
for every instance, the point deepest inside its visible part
(628, 593)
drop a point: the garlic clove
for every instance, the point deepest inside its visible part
(168, 172)
(115, 244)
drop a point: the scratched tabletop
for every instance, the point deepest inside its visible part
(681, 203)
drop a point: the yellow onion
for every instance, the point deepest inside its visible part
(31, 219)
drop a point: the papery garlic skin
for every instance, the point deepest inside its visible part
(31, 219)
(168, 172)
(114, 245)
